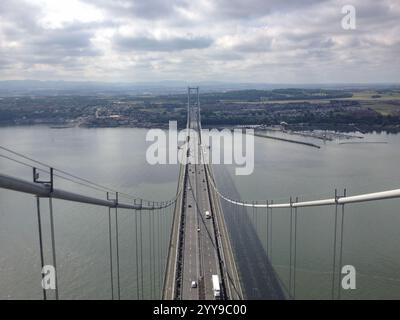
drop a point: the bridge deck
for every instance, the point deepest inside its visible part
(200, 258)
(202, 244)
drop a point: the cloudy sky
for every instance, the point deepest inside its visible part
(272, 41)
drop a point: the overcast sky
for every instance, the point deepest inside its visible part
(272, 41)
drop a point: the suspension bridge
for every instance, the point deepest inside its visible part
(211, 234)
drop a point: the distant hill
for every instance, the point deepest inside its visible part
(45, 88)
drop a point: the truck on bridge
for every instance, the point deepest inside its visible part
(216, 289)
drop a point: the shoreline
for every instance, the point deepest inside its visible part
(293, 128)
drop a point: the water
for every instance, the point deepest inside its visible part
(371, 230)
(111, 157)
(116, 157)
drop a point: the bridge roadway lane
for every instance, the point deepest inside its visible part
(190, 253)
(208, 253)
(199, 254)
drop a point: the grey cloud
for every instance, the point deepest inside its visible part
(163, 9)
(72, 40)
(60, 46)
(170, 44)
(4, 62)
(221, 9)
(317, 41)
(144, 9)
(224, 56)
(239, 9)
(21, 13)
(258, 44)
(306, 36)
(373, 10)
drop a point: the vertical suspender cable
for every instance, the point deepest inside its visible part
(255, 217)
(237, 218)
(242, 214)
(252, 214)
(341, 252)
(159, 250)
(111, 256)
(136, 254)
(257, 227)
(40, 242)
(157, 231)
(334, 249)
(53, 245)
(270, 225)
(290, 248)
(154, 250)
(166, 236)
(236, 222)
(295, 251)
(149, 251)
(150, 214)
(141, 249)
(267, 241)
(162, 232)
(266, 232)
(117, 251)
(231, 210)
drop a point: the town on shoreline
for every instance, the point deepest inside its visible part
(342, 110)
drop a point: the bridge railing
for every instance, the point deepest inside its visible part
(109, 247)
(311, 244)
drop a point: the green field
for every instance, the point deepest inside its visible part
(385, 102)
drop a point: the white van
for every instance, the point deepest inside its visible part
(216, 289)
(208, 215)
